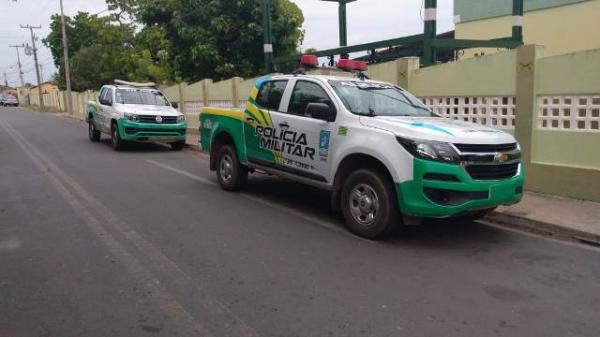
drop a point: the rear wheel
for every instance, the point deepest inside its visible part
(116, 141)
(178, 146)
(231, 174)
(369, 205)
(93, 133)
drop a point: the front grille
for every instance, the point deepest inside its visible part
(152, 119)
(486, 148)
(493, 172)
(156, 132)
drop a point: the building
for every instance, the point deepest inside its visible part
(562, 26)
(47, 88)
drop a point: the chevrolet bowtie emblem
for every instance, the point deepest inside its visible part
(501, 157)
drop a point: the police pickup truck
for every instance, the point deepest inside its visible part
(135, 112)
(386, 158)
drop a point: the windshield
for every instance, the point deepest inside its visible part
(141, 96)
(379, 99)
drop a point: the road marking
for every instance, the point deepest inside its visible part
(285, 209)
(167, 302)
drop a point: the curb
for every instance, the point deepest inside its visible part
(543, 228)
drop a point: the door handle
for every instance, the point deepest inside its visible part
(250, 119)
(284, 125)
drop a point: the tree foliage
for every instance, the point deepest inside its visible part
(175, 40)
(102, 50)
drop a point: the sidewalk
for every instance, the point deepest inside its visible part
(538, 213)
(552, 215)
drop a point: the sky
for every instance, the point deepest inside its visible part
(368, 20)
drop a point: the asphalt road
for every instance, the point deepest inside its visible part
(143, 243)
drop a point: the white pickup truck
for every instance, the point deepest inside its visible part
(385, 157)
(135, 112)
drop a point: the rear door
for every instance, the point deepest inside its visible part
(258, 125)
(302, 142)
(107, 109)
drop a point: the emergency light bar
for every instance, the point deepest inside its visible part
(311, 61)
(350, 65)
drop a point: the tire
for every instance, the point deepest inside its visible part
(232, 176)
(178, 146)
(369, 204)
(93, 133)
(116, 141)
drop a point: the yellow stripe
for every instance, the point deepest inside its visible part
(254, 111)
(235, 114)
(254, 93)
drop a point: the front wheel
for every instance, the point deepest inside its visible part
(116, 141)
(231, 174)
(369, 205)
(93, 133)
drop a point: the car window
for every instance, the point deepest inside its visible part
(270, 94)
(109, 96)
(306, 92)
(102, 93)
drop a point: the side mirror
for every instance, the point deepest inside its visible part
(105, 102)
(175, 105)
(320, 111)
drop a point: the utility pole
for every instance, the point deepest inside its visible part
(42, 72)
(5, 79)
(517, 29)
(66, 55)
(265, 7)
(35, 58)
(19, 62)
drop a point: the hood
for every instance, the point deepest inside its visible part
(152, 110)
(439, 129)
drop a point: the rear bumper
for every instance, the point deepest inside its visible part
(148, 132)
(438, 198)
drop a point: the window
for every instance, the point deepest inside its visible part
(270, 94)
(109, 96)
(141, 96)
(102, 93)
(379, 99)
(307, 92)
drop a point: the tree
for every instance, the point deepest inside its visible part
(103, 50)
(219, 38)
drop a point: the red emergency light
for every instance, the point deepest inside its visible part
(350, 65)
(311, 61)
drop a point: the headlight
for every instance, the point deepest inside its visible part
(430, 150)
(180, 118)
(131, 117)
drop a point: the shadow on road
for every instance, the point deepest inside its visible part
(438, 234)
(140, 147)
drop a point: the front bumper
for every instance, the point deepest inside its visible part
(422, 197)
(148, 132)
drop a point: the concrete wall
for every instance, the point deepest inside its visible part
(563, 29)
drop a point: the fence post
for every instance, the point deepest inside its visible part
(526, 98)
(182, 98)
(235, 95)
(405, 67)
(205, 88)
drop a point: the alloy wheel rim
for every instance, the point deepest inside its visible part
(226, 168)
(364, 204)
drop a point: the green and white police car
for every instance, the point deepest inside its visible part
(135, 112)
(385, 157)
